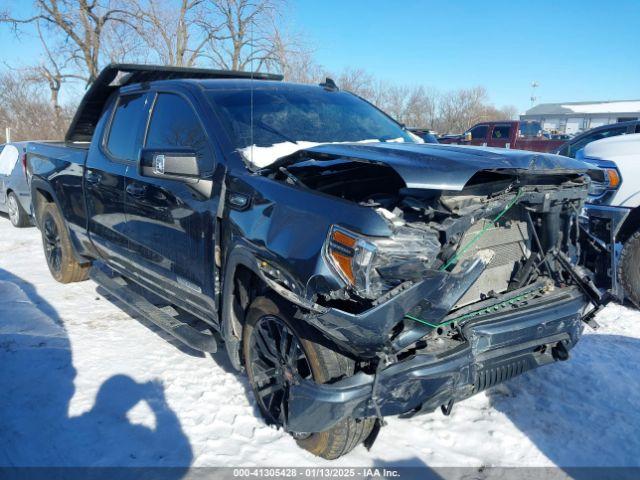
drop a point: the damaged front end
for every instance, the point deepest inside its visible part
(476, 284)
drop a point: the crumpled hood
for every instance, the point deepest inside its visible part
(447, 167)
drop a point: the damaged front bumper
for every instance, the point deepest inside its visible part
(498, 346)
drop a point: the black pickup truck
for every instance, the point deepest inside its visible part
(350, 271)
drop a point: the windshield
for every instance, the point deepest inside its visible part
(288, 118)
(530, 129)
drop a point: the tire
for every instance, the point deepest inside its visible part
(19, 218)
(57, 247)
(629, 268)
(322, 365)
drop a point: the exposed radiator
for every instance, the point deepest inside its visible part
(510, 243)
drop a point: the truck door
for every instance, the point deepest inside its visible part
(170, 225)
(108, 160)
(478, 136)
(500, 136)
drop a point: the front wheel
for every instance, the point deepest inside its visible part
(57, 247)
(274, 353)
(629, 268)
(17, 215)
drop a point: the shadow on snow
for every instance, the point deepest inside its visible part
(37, 378)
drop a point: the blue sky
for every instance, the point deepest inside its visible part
(576, 50)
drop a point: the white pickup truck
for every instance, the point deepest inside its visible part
(614, 214)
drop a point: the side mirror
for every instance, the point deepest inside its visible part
(170, 163)
(467, 136)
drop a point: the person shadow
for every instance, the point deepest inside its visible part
(37, 384)
(581, 414)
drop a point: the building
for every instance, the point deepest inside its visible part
(574, 117)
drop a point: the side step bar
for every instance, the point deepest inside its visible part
(117, 287)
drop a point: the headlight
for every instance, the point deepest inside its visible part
(351, 256)
(611, 182)
(372, 266)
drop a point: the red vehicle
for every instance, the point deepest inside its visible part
(506, 134)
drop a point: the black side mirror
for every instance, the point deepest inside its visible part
(170, 163)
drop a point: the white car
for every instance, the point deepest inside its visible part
(614, 212)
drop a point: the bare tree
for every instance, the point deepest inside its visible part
(52, 70)
(294, 58)
(358, 81)
(81, 22)
(25, 109)
(420, 108)
(509, 112)
(460, 109)
(177, 31)
(248, 34)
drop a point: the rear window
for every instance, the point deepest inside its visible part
(530, 129)
(125, 134)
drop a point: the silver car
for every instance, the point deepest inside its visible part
(15, 196)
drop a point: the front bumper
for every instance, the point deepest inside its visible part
(498, 346)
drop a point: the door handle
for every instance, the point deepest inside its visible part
(93, 177)
(136, 190)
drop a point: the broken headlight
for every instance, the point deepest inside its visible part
(372, 266)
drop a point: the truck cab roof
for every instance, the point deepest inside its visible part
(116, 76)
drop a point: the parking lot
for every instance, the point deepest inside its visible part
(86, 384)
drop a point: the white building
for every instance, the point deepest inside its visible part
(574, 117)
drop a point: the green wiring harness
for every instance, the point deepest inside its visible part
(454, 258)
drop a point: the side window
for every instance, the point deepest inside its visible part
(479, 132)
(614, 132)
(125, 133)
(501, 131)
(174, 123)
(578, 144)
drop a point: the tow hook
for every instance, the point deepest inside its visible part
(560, 352)
(446, 409)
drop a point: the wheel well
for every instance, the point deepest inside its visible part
(630, 225)
(41, 197)
(247, 285)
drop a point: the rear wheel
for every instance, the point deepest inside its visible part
(273, 354)
(57, 247)
(629, 268)
(17, 215)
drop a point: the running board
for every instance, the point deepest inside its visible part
(117, 287)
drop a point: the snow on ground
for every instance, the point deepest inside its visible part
(82, 383)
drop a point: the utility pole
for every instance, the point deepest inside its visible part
(534, 85)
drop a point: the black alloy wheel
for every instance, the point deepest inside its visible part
(277, 361)
(52, 243)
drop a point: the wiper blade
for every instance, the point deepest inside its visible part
(275, 131)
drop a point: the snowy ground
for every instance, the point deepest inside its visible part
(82, 383)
